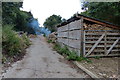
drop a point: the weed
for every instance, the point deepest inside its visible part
(71, 55)
(12, 43)
(97, 57)
(25, 40)
(49, 41)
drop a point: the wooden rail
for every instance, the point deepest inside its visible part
(103, 42)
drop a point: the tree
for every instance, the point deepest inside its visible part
(52, 21)
(108, 11)
(12, 15)
(9, 12)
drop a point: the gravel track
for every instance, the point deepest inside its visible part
(42, 62)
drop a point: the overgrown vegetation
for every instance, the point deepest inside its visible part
(108, 11)
(12, 44)
(70, 55)
(49, 41)
(11, 14)
(14, 20)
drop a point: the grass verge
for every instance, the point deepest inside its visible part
(70, 55)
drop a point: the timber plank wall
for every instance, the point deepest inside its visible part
(70, 35)
(89, 39)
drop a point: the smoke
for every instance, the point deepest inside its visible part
(37, 29)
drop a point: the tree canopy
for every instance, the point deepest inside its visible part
(108, 11)
(52, 21)
(12, 15)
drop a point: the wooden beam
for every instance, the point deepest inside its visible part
(84, 51)
(102, 55)
(102, 23)
(113, 46)
(105, 42)
(82, 40)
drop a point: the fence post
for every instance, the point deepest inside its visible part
(68, 33)
(82, 40)
(84, 48)
(105, 42)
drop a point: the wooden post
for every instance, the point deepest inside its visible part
(105, 42)
(68, 33)
(84, 50)
(82, 40)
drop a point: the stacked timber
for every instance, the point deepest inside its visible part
(96, 27)
(52, 37)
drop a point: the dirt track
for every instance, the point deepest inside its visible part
(42, 62)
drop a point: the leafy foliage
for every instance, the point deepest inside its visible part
(71, 55)
(52, 21)
(108, 11)
(13, 15)
(9, 12)
(12, 43)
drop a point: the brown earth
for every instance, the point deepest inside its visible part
(103, 67)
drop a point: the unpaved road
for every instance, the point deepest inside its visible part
(42, 62)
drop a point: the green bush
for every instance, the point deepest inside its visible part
(25, 40)
(49, 41)
(12, 43)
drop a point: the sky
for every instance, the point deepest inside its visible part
(42, 9)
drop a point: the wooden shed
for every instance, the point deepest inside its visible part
(89, 36)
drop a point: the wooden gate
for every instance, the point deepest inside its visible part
(101, 43)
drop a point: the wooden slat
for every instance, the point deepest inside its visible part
(75, 25)
(87, 46)
(74, 43)
(62, 40)
(75, 34)
(102, 55)
(113, 46)
(95, 51)
(113, 33)
(93, 34)
(95, 44)
(88, 42)
(59, 39)
(115, 50)
(62, 34)
(87, 38)
(65, 41)
(102, 33)
(63, 28)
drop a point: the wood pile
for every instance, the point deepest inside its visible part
(96, 27)
(53, 37)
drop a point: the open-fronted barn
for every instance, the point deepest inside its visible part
(89, 36)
